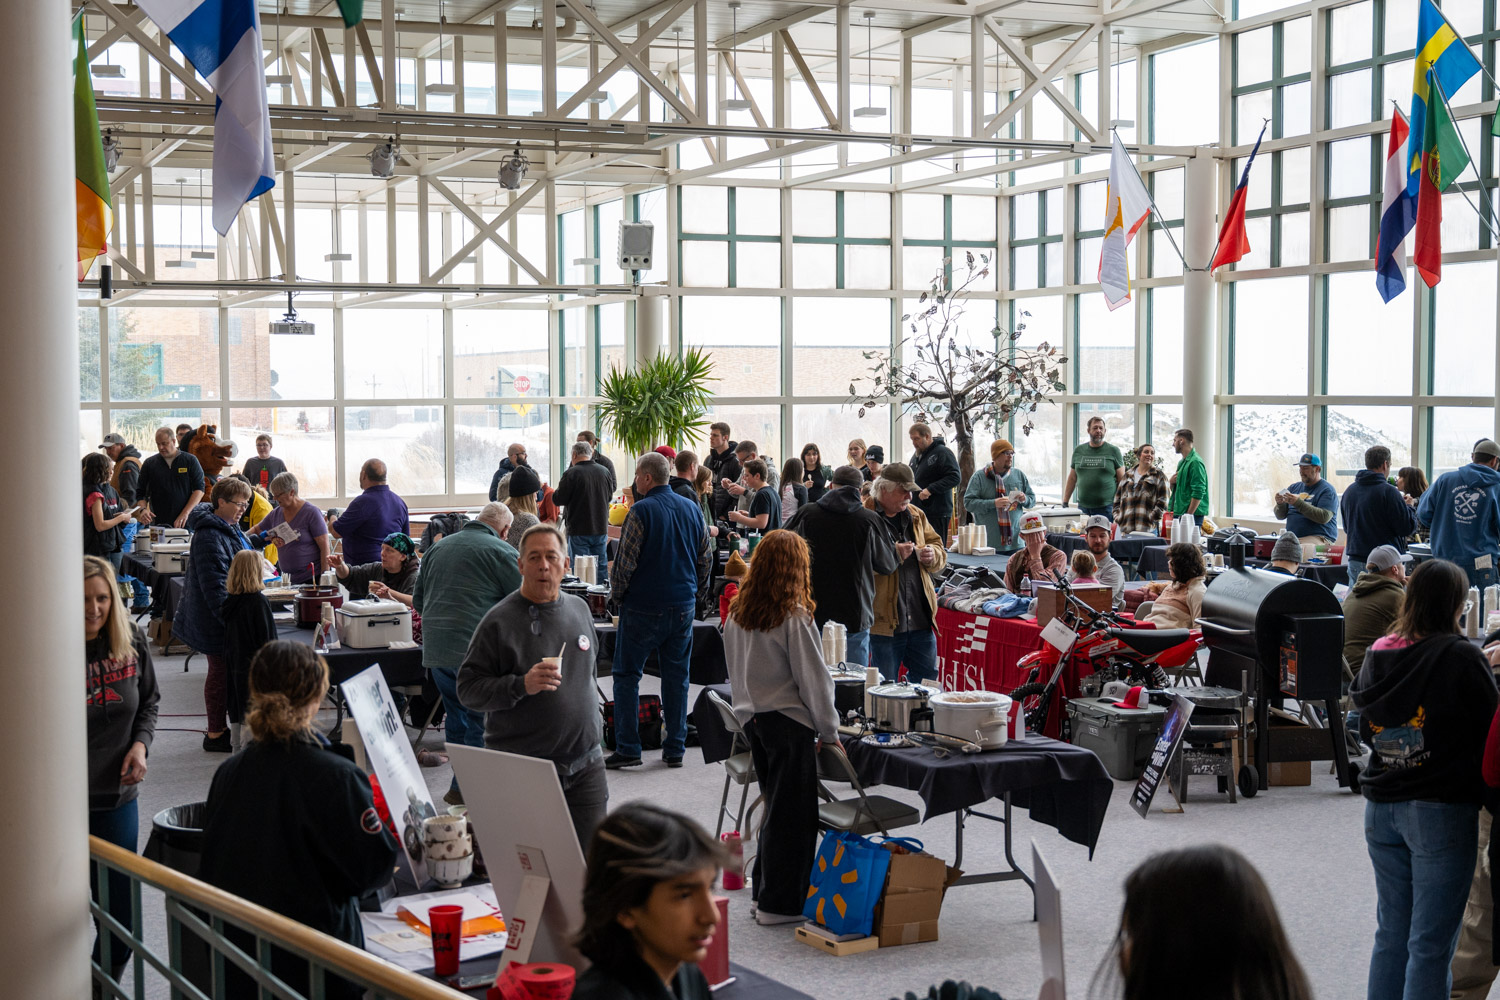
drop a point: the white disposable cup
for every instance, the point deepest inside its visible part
(556, 661)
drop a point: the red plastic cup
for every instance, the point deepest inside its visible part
(446, 923)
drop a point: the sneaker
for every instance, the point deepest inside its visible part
(615, 761)
(217, 744)
(768, 919)
(453, 797)
(673, 761)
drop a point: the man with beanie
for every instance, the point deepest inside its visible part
(935, 470)
(1375, 513)
(874, 462)
(1462, 511)
(1373, 603)
(1286, 556)
(996, 496)
(850, 547)
(1310, 506)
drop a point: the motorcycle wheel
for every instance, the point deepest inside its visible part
(1033, 704)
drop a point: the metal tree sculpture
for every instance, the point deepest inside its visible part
(945, 381)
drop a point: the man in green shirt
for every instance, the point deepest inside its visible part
(1190, 481)
(1095, 471)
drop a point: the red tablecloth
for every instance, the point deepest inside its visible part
(979, 653)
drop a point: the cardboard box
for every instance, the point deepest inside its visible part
(892, 935)
(837, 948)
(916, 871)
(908, 906)
(1291, 772)
(1049, 601)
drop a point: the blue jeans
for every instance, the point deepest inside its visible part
(119, 826)
(917, 649)
(1356, 567)
(464, 727)
(1107, 511)
(857, 648)
(668, 632)
(142, 595)
(592, 545)
(1423, 853)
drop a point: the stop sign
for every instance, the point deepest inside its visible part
(522, 384)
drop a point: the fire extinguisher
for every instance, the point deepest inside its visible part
(734, 872)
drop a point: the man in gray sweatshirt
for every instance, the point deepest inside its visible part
(536, 707)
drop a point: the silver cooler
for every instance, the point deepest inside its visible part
(373, 624)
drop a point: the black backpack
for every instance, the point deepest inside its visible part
(441, 524)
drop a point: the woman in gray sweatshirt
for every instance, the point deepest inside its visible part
(783, 694)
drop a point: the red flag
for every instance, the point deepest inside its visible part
(1234, 243)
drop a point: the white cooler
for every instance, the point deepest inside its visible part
(169, 557)
(373, 624)
(1056, 518)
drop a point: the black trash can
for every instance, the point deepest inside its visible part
(177, 838)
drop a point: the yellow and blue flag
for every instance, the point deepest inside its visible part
(1441, 52)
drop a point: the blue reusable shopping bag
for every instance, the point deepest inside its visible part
(848, 877)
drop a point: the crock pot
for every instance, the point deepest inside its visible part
(978, 716)
(899, 708)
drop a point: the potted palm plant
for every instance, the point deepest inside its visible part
(663, 401)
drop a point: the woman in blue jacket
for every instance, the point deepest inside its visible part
(199, 620)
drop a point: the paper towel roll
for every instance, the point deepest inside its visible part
(536, 981)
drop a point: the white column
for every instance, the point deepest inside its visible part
(1200, 339)
(650, 309)
(45, 931)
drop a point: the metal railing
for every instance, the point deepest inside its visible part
(202, 917)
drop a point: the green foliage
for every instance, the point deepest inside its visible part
(130, 371)
(664, 401)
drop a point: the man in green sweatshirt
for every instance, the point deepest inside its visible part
(1190, 481)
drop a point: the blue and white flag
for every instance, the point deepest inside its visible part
(221, 39)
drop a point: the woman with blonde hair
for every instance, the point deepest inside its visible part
(291, 823)
(248, 625)
(856, 456)
(121, 721)
(783, 695)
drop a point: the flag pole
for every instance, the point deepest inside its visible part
(1264, 124)
(1459, 132)
(1156, 211)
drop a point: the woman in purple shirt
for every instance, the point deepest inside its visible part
(311, 545)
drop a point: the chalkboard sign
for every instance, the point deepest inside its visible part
(1167, 744)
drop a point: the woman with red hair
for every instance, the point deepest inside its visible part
(783, 695)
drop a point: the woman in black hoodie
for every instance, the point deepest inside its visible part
(1425, 695)
(248, 625)
(121, 714)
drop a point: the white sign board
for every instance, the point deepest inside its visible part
(1049, 927)
(391, 759)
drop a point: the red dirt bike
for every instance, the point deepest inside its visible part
(1114, 647)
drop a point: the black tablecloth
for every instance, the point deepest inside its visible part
(707, 665)
(1154, 561)
(400, 666)
(747, 985)
(1125, 550)
(1061, 785)
(142, 567)
(1064, 786)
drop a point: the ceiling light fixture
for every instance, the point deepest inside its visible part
(442, 87)
(183, 262)
(338, 254)
(869, 110)
(383, 159)
(107, 70)
(201, 254)
(282, 79)
(735, 103)
(513, 169)
(1119, 122)
(676, 116)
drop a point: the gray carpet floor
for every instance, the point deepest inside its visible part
(1307, 842)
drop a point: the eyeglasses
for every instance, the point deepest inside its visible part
(536, 619)
(241, 504)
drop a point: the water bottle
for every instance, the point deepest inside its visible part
(734, 870)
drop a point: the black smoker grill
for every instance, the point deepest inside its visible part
(1287, 636)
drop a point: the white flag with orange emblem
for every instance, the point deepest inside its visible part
(1127, 203)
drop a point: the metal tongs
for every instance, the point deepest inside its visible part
(944, 745)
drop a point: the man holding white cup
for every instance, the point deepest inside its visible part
(530, 669)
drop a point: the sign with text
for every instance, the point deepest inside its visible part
(1167, 744)
(390, 757)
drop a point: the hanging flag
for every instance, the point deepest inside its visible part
(1398, 213)
(90, 176)
(353, 11)
(1443, 54)
(1443, 158)
(1234, 243)
(221, 39)
(1127, 203)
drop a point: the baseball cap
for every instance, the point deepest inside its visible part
(112, 439)
(1098, 521)
(900, 472)
(1309, 458)
(1136, 698)
(1487, 447)
(1032, 523)
(666, 451)
(1382, 558)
